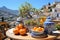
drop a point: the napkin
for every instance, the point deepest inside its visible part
(56, 32)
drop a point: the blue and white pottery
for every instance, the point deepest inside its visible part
(35, 33)
(49, 26)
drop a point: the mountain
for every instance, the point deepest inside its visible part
(9, 10)
(7, 13)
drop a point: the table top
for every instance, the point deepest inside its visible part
(10, 34)
(58, 37)
(56, 20)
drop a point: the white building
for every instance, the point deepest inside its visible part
(56, 10)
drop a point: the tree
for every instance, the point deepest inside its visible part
(34, 10)
(25, 10)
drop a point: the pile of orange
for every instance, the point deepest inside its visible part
(38, 29)
(42, 20)
(20, 29)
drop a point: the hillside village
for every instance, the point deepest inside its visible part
(50, 9)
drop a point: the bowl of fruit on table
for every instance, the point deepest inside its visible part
(37, 31)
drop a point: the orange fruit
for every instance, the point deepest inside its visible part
(17, 27)
(22, 31)
(21, 26)
(16, 31)
(41, 21)
(44, 19)
(34, 28)
(42, 29)
(39, 29)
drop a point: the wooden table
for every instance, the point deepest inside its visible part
(56, 21)
(10, 34)
(58, 37)
(57, 33)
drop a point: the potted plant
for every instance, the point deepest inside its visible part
(57, 26)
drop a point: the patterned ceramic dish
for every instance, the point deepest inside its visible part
(36, 33)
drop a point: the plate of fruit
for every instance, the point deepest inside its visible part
(20, 30)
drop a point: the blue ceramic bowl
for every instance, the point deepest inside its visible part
(33, 35)
(36, 33)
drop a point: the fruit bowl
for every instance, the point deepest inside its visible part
(36, 34)
(37, 31)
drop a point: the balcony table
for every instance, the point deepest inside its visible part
(11, 35)
(57, 34)
(56, 21)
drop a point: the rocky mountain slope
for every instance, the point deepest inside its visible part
(8, 14)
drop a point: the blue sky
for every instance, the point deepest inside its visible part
(15, 4)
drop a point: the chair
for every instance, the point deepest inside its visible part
(4, 27)
(1, 35)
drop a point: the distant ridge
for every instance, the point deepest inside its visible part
(4, 8)
(7, 13)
